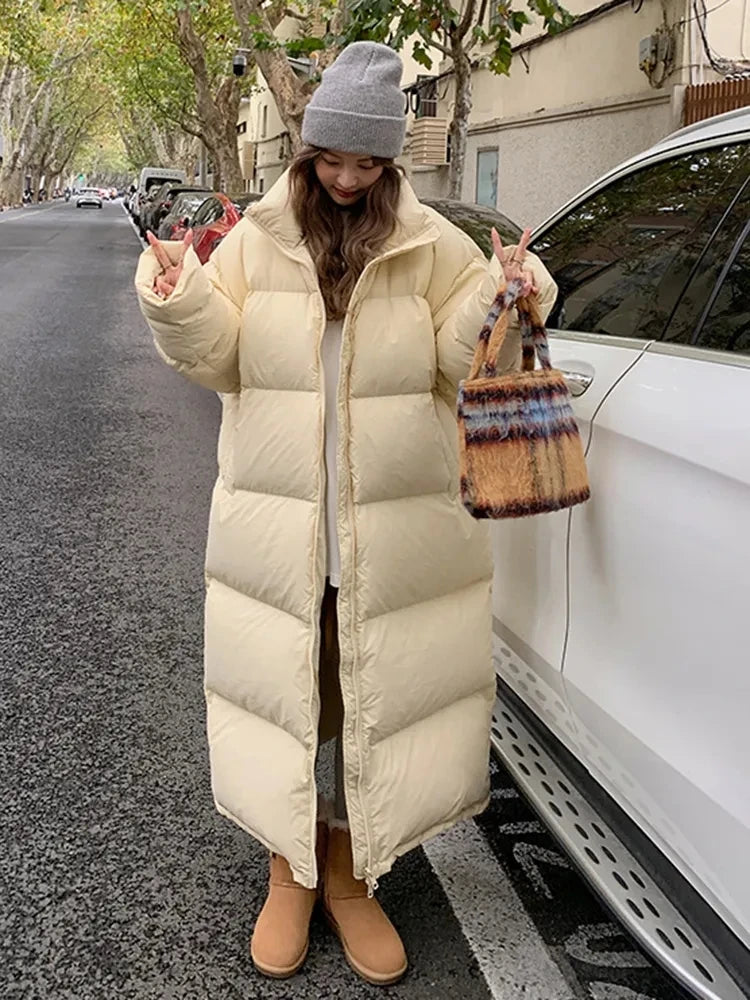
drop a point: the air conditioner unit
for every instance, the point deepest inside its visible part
(247, 160)
(429, 142)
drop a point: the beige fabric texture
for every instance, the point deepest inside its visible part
(414, 604)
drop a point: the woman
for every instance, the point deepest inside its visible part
(348, 592)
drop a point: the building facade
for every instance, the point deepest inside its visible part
(573, 106)
(577, 104)
(262, 138)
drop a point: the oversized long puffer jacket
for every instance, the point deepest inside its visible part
(414, 602)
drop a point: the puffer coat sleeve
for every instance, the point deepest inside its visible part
(196, 330)
(461, 292)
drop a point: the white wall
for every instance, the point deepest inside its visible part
(573, 107)
(545, 162)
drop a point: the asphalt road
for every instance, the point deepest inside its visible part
(117, 878)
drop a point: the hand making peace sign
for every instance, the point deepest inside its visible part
(166, 281)
(512, 262)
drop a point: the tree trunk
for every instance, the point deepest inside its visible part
(229, 165)
(215, 162)
(289, 92)
(217, 112)
(459, 126)
(11, 185)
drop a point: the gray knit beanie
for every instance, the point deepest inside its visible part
(359, 106)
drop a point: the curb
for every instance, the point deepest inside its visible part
(138, 236)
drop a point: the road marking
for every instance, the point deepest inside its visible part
(24, 213)
(513, 958)
(138, 236)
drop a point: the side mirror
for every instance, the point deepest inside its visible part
(185, 221)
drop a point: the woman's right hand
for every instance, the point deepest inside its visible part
(166, 281)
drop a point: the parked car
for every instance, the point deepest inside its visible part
(176, 222)
(161, 202)
(477, 222)
(623, 687)
(90, 197)
(150, 177)
(214, 219)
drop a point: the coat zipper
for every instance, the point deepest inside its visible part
(371, 881)
(351, 315)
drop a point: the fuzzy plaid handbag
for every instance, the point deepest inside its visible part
(519, 445)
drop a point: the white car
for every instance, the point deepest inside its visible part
(623, 665)
(89, 196)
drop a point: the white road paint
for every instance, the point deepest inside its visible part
(129, 217)
(511, 955)
(14, 214)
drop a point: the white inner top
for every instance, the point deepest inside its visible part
(330, 353)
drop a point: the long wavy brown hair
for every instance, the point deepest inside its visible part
(342, 240)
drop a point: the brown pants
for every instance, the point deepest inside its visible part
(331, 702)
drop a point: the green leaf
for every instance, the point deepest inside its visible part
(421, 55)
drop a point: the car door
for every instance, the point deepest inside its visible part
(656, 668)
(610, 253)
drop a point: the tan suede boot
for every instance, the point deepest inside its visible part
(370, 941)
(281, 936)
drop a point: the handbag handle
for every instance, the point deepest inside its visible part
(493, 333)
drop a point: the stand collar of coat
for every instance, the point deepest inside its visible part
(274, 213)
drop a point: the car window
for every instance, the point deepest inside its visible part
(727, 323)
(700, 266)
(186, 205)
(211, 210)
(615, 255)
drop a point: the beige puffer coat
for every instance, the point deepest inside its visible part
(414, 603)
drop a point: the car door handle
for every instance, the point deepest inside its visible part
(577, 381)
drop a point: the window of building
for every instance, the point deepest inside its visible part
(241, 128)
(260, 185)
(425, 97)
(622, 257)
(264, 125)
(487, 168)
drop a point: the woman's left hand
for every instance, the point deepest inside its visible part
(512, 261)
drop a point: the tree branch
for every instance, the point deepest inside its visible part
(181, 123)
(467, 20)
(435, 44)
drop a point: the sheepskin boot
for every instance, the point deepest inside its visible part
(281, 936)
(370, 941)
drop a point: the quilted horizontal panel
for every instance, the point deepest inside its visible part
(402, 438)
(416, 661)
(277, 443)
(434, 770)
(260, 776)
(260, 659)
(278, 340)
(262, 545)
(416, 549)
(393, 347)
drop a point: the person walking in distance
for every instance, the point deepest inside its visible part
(348, 592)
